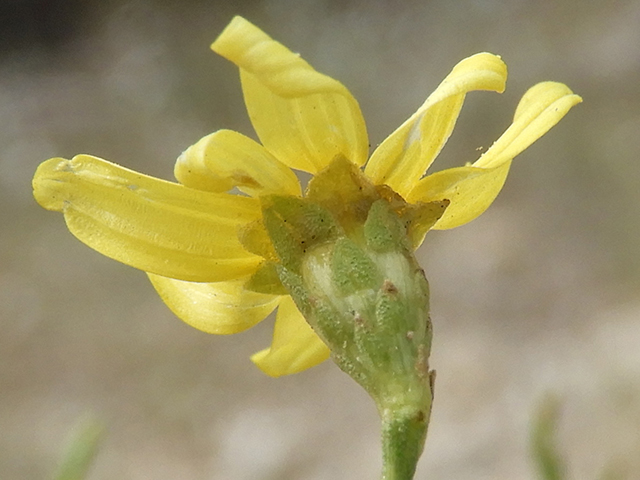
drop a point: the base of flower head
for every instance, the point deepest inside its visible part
(345, 255)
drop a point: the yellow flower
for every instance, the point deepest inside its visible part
(192, 238)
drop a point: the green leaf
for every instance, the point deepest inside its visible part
(544, 447)
(81, 451)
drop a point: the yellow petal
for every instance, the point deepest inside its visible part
(301, 116)
(472, 189)
(221, 307)
(408, 152)
(295, 345)
(541, 107)
(154, 225)
(469, 189)
(227, 159)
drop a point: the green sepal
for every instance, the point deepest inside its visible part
(383, 230)
(391, 312)
(266, 280)
(372, 348)
(418, 218)
(403, 322)
(295, 226)
(333, 326)
(352, 269)
(285, 242)
(293, 283)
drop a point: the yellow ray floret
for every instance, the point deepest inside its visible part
(150, 224)
(227, 159)
(408, 152)
(221, 307)
(471, 189)
(304, 118)
(295, 346)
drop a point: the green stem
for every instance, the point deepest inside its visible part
(404, 431)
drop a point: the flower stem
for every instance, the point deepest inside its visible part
(404, 431)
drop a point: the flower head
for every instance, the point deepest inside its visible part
(222, 261)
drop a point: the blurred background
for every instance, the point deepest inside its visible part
(539, 295)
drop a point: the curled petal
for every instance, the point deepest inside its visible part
(472, 189)
(221, 307)
(227, 159)
(295, 346)
(541, 107)
(301, 116)
(150, 224)
(408, 152)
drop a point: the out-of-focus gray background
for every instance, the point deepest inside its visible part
(539, 295)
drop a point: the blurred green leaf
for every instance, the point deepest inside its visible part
(544, 448)
(81, 451)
